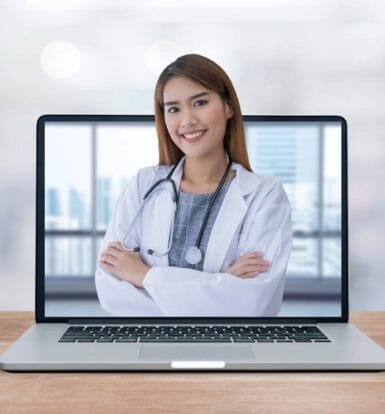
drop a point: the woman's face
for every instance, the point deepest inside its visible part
(195, 117)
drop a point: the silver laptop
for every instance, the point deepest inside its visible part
(83, 164)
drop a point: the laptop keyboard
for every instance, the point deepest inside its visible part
(195, 334)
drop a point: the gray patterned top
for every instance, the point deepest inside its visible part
(188, 221)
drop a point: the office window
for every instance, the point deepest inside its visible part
(117, 162)
(89, 164)
(68, 177)
(68, 256)
(307, 161)
(87, 167)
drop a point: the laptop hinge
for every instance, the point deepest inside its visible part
(104, 321)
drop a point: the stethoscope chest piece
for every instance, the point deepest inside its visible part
(193, 255)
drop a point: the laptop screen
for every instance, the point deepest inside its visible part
(87, 165)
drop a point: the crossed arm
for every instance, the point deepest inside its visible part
(129, 267)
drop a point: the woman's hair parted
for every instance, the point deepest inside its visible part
(209, 74)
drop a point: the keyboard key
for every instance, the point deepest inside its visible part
(84, 338)
(243, 340)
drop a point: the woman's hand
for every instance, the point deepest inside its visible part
(249, 265)
(123, 264)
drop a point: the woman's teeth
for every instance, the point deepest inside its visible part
(194, 135)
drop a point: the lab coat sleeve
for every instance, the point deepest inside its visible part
(187, 292)
(119, 297)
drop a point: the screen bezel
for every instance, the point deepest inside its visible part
(40, 229)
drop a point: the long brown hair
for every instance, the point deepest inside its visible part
(209, 74)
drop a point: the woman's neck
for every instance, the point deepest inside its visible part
(202, 176)
(204, 171)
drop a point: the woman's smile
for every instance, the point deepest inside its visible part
(193, 136)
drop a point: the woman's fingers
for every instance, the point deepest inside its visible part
(253, 255)
(253, 271)
(109, 259)
(252, 259)
(110, 252)
(252, 265)
(249, 265)
(248, 270)
(246, 274)
(116, 246)
(255, 262)
(113, 249)
(255, 268)
(250, 275)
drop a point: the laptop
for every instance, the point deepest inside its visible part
(85, 161)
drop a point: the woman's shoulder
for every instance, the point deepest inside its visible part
(154, 172)
(147, 176)
(141, 181)
(253, 182)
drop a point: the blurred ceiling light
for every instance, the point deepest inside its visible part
(160, 54)
(60, 59)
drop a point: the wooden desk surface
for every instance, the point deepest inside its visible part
(191, 392)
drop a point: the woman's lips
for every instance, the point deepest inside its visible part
(193, 136)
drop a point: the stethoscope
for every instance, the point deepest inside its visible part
(193, 254)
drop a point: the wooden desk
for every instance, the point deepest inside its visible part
(191, 392)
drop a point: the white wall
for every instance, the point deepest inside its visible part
(284, 57)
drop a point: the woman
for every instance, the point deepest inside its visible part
(225, 249)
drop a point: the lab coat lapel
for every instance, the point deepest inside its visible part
(230, 218)
(157, 219)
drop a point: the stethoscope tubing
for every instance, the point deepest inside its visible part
(192, 251)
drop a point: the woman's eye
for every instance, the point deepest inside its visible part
(200, 102)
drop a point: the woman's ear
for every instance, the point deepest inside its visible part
(228, 111)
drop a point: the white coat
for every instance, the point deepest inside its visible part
(255, 215)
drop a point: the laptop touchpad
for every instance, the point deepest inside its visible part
(196, 352)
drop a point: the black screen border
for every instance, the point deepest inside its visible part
(40, 229)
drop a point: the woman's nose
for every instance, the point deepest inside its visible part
(188, 119)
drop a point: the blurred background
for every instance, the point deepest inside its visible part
(103, 57)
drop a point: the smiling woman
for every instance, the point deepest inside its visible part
(199, 234)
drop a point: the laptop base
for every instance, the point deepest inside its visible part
(38, 349)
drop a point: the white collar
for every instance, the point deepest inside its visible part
(246, 181)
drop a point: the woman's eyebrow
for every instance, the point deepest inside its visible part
(198, 95)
